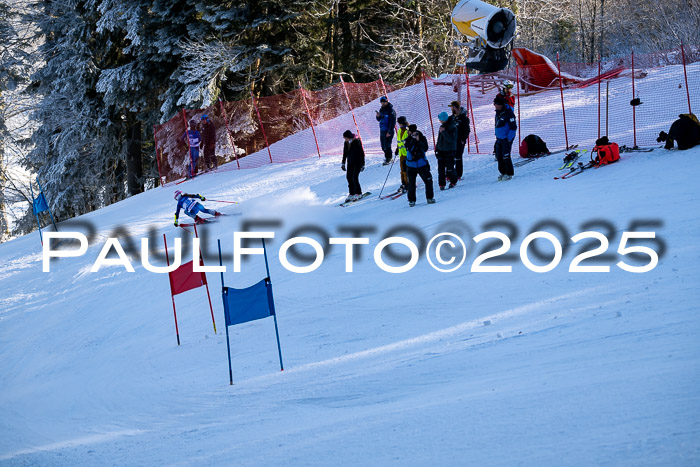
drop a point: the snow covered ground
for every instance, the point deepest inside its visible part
(460, 368)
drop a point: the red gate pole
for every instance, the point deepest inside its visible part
(230, 137)
(262, 127)
(598, 96)
(517, 84)
(308, 112)
(471, 109)
(187, 137)
(351, 109)
(563, 111)
(685, 73)
(634, 108)
(206, 284)
(430, 115)
(177, 333)
(469, 138)
(155, 141)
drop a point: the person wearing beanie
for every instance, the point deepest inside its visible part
(462, 120)
(445, 151)
(401, 136)
(505, 134)
(386, 116)
(354, 156)
(417, 165)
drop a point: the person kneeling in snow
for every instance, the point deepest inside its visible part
(685, 132)
(190, 203)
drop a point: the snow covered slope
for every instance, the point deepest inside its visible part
(460, 368)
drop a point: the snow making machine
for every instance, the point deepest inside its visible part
(487, 32)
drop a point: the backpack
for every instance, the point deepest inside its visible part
(532, 145)
(605, 154)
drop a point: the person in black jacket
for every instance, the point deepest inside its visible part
(417, 165)
(462, 119)
(445, 150)
(386, 116)
(354, 155)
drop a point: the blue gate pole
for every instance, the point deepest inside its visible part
(47, 205)
(224, 295)
(274, 316)
(31, 190)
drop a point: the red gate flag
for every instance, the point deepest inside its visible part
(184, 278)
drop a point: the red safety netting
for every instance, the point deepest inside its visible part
(248, 132)
(565, 116)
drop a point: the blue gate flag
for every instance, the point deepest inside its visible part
(249, 304)
(40, 204)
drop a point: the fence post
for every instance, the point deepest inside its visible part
(598, 96)
(430, 114)
(155, 142)
(517, 84)
(347, 96)
(303, 95)
(230, 136)
(634, 108)
(470, 108)
(607, 102)
(563, 110)
(685, 73)
(262, 127)
(189, 147)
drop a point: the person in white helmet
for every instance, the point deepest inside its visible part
(190, 203)
(507, 93)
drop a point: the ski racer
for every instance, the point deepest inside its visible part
(190, 203)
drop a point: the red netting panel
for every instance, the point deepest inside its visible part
(332, 115)
(596, 103)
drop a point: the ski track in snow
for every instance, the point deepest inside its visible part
(462, 368)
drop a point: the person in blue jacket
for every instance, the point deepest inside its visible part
(386, 116)
(190, 203)
(417, 165)
(505, 134)
(194, 139)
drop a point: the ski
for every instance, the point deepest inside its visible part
(571, 158)
(393, 195)
(566, 175)
(530, 159)
(636, 149)
(203, 221)
(348, 203)
(579, 170)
